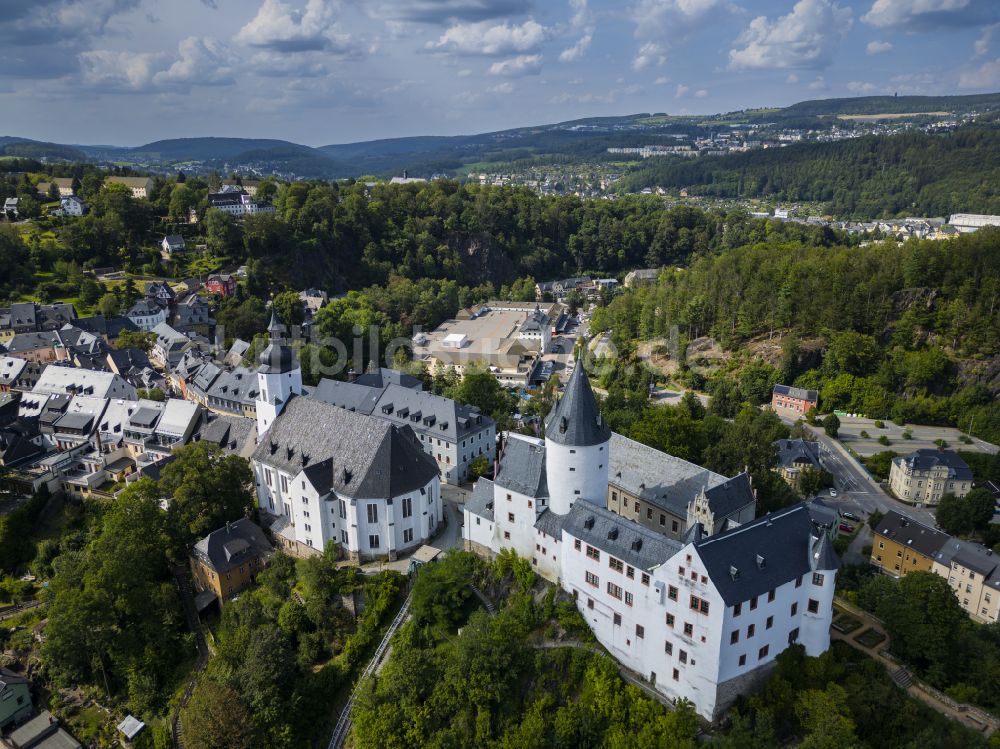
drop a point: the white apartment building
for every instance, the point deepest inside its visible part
(924, 476)
(701, 617)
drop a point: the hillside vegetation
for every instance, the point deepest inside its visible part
(869, 177)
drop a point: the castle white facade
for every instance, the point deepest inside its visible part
(701, 617)
(325, 474)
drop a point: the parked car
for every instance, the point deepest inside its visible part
(833, 492)
(846, 529)
(850, 516)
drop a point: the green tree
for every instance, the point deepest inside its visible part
(289, 308)
(222, 233)
(481, 389)
(207, 489)
(109, 306)
(217, 718)
(962, 516)
(831, 425)
(139, 339)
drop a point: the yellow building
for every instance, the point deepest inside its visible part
(902, 545)
(228, 560)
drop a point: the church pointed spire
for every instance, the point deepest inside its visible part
(275, 329)
(576, 418)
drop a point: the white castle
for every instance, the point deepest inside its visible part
(699, 616)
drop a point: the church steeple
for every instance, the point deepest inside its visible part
(279, 376)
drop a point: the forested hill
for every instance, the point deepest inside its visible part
(870, 177)
(870, 105)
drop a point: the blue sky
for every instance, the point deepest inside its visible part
(330, 71)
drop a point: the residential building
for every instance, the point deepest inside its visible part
(192, 314)
(249, 186)
(973, 572)
(32, 317)
(57, 380)
(557, 290)
(64, 184)
(15, 699)
(11, 368)
(506, 338)
(71, 206)
(902, 545)
(796, 456)
(223, 284)
(643, 277)
(41, 732)
(227, 561)
(141, 187)
(924, 476)
(313, 300)
(146, 315)
(792, 400)
(168, 347)
(701, 617)
(161, 293)
(10, 208)
(452, 433)
(171, 244)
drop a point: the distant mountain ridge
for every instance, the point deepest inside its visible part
(586, 138)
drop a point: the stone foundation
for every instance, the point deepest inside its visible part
(727, 691)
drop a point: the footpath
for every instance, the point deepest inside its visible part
(872, 639)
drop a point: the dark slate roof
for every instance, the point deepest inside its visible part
(730, 496)
(576, 419)
(31, 341)
(231, 433)
(656, 477)
(481, 501)
(973, 557)
(522, 468)
(126, 358)
(369, 457)
(794, 392)
(797, 452)
(238, 384)
(144, 308)
(9, 678)
(277, 358)
(928, 458)
(551, 524)
(429, 413)
(822, 514)
(754, 558)
(381, 377)
(908, 532)
(232, 545)
(349, 395)
(823, 556)
(615, 535)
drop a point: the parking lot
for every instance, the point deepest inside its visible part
(922, 437)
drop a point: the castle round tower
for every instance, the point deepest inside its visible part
(576, 447)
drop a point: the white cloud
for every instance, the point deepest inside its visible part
(805, 38)
(792, 78)
(464, 73)
(982, 44)
(502, 88)
(986, 75)
(200, 61)
(649, 53)
(515, 67)
(661, 81)
(486, 39)
(877, 47)
(818, 84)
(681, 90)
(885, 13)
(576, 51)
(669, 18)
(701, 93)
(105, 68)
(280, 27)
(861, 87)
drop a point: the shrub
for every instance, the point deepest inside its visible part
(907, 434)
(941, 442)
(879, 424)
(864, 434)
(883, 440)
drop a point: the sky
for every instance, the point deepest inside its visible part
(127, 72)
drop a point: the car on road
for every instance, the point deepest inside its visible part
(846, 529)
(833, 492)
(850, 516)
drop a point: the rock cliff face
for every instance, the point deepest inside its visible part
(482, 261)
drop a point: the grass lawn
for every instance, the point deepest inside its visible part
(870, 638)
(846, 624)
